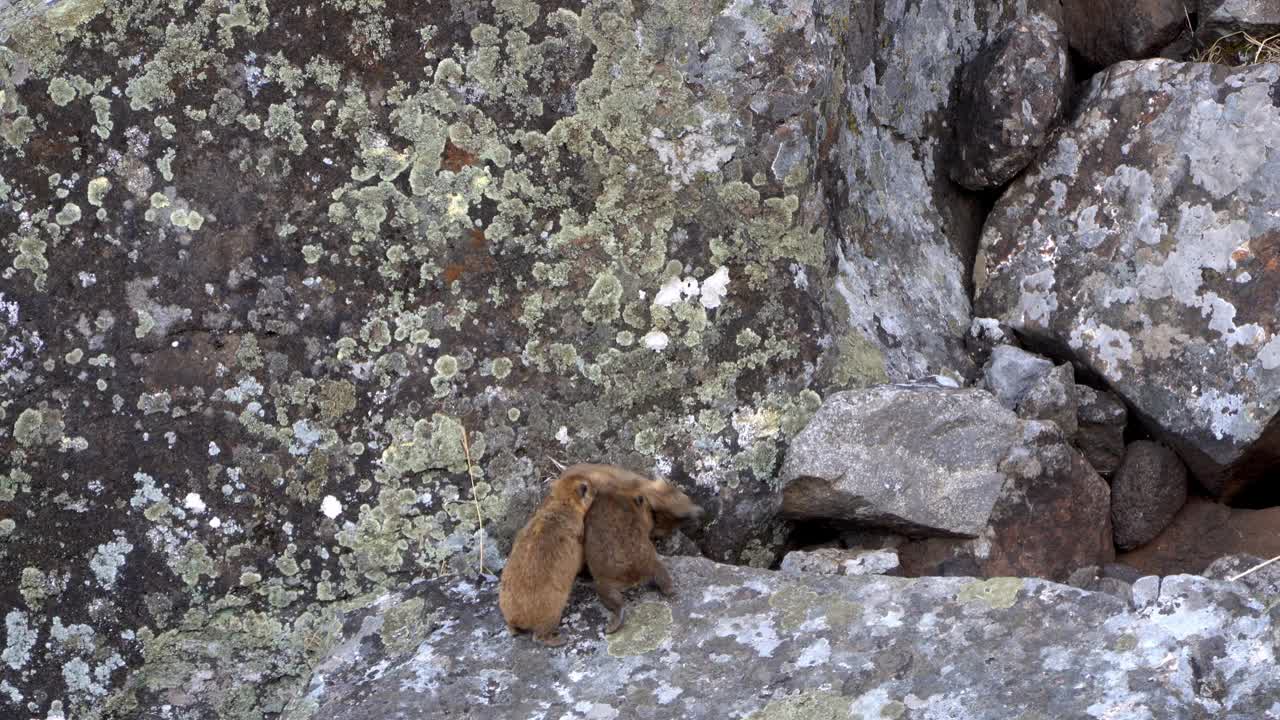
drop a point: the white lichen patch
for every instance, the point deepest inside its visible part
(715, 288)
(194, 503)
(107, 561)
(20, 638)
(815, 654)
(656, 340)
(753, 631)
(330, 507)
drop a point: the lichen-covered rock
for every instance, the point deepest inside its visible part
(1141, 244)
(1011, 96)
(951, 464)
(1148, 490)
(1106, 32)
(1101, 419)
(1221, 17)
(837, 561)
(1011, 371)
(1204, 531)
(740, 642)
(1053, 398)
(1262, 579)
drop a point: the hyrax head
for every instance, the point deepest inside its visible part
(670, 507)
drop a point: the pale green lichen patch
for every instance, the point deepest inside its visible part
(793, 605)
(996, 593)
(7, 526)
(98, 189)
(36, 427)
(811, 705)
(404, 627)
(69, 215)
(61, 91)
(107, 561)
(648, 625)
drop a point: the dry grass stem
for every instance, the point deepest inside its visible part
(471, 474)
(1241, 48)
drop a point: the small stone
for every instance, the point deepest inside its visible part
(1149, 489)
(1261, 579)
(1146, 590)
(1101, 418)
(1260, 18)
(1053, 398)
(1012, 371)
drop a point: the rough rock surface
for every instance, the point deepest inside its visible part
(1142, 243)
(1250, 571)
(938, 462)
(1011, 96)
(1053, 398)
(1107, 31)
(1101, 420)
(837, 561)
(739, 642)
(1220, 17)
(1148, 490)
(266, 266)
(1011, 371)
(1204, 531)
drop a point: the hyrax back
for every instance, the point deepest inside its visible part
(544, 560)
(619, 548)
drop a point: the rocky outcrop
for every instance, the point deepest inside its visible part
(1148, 491)
(950, 463)
(1204, 531)
(1011, 371)
(1141, 245)
(1106, 32)
(1101, 419)
(737, 642)
(1054, 398)
(1011, 95)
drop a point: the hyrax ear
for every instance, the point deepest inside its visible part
(640, 501)
(584, 489)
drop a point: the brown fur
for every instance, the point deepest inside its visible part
(619, 546)
(545, 558)
(548, 554)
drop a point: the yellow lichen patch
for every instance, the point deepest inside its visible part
(647, 625)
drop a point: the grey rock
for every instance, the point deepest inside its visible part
(1117, 588)
(835, 561)
(1011, 372)
(1122, 572)
(1101, 422)
(677, 543)
(1259, 579)
(739, 642)
(1053, 398)
(955, 464)
(1221, 17)
(1105, 32)
(1146, 590)
(1144, 255)
(1148, 491)
(1093, 579)
(1011, 96)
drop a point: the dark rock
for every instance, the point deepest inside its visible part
(1100, 434)
(1120, 571)
(1011, 95)
(1149, 489)
(1106, 31)
(1011, 372)
(1149, 279)
(1204, 531)
(758, 644)
(1093, 579)
(1260, 18)
(1053, 398)
(950, 462)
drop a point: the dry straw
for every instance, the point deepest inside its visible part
(1241, 48)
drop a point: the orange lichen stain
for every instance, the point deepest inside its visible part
(1240, 254)
(455, 158)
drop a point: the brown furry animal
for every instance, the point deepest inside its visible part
(548, 553)
(619, 545)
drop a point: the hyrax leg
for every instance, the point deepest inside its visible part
(662, 579)
(611, 595)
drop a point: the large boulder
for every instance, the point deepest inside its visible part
(1107, 31)
(1142, 244)
(1011, 95)
(1221, 17)
(951, 464)
(739, 642)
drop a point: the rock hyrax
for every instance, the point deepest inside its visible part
(619, 545)
(547, 554)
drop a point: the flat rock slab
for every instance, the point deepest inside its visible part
(745, 643)
(1143, 244)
